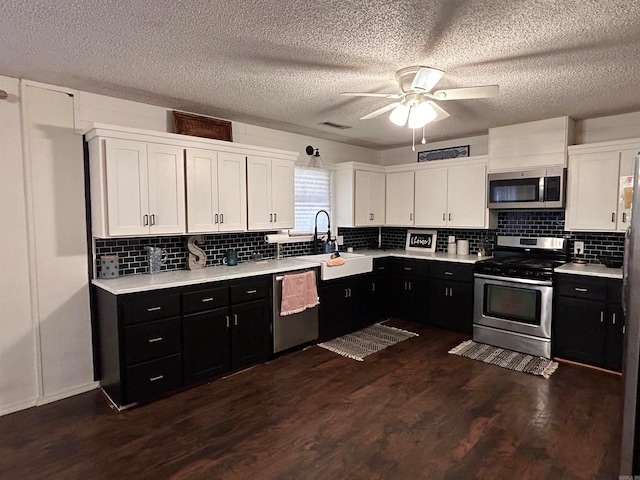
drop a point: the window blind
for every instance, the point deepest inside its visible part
(312, 193)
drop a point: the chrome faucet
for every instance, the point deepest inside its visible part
(315, 230)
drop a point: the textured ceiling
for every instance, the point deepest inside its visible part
(282, 64)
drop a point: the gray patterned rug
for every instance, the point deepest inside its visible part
(520, 362)
(358, 345)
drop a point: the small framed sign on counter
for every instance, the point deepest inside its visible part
(421, 240)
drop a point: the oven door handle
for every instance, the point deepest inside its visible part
(525, 281)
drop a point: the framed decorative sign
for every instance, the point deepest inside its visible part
(443, 153)
(199, 126)
(421, 240)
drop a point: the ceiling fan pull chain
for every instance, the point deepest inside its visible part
(413, 143)
(424, 140)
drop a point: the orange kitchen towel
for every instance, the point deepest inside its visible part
(335, 262)
(299, 292)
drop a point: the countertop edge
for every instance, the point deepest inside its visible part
(590, 270)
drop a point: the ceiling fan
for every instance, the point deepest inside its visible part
(416, 104)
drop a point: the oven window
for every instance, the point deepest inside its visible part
(511, 303)
(517, 190)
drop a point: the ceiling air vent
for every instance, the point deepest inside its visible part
(335, 125)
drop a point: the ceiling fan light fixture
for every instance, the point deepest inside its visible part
(421, 114)
(399, 115)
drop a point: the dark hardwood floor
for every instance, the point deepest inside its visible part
(411, 411)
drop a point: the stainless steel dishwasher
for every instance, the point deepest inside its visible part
(292, 330)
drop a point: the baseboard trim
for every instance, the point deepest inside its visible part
(17, 406)
(586, 365)
(70, 392)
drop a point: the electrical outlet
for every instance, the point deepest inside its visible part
(340, 240)
(578, 248)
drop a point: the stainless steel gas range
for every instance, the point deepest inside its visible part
(514, 293)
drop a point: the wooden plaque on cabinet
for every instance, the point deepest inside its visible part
(199, 126)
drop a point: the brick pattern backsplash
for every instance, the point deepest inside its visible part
(359, 237)
(133, 257)
(550, 223)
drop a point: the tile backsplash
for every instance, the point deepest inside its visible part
(133, 257)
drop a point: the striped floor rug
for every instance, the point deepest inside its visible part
(358, 345)
(520, 362)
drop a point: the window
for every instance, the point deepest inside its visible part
(312, 193)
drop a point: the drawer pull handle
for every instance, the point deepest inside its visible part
(408, 268)
(381, 268)
(205, 300)
(614, 318)
(153, 309)
(448, 273)
(154, 340)
(235, 319)
(155, 379)
(578, 289)
(601, 316)
(249, 292)
(227, 317)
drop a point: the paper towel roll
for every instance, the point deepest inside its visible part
(463, 247)
(276, 238)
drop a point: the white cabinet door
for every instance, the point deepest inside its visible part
(466, 197)
(232, 192)
(399, 195)
(377, 197)
(202, 191)
(282, 194)
(625, 188)
(165, 164)
(369, 198)
(431, 197)
(593, 191)
(259, 193)
(127, 187)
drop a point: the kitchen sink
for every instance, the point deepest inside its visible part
(354, 264)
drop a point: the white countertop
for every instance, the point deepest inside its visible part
(590, 269)
(437, 256)
(179, 278)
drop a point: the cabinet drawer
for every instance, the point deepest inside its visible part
(381, 265)
(248, 291)
(614, 291)
(207, 299)
(460, 272)
(144, 308)
(409, 266)
(152, 340)
(152, 379)
(582, 288)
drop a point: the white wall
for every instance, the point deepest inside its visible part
(54, 164)
(614, 127)
(18, 378)
(478, 145)
(91, 108)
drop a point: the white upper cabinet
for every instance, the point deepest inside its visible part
(369, 198)
(216, 191)
(431, 197)
(145, 188)
(399, 195)
(451, 195)
(526, 146)
(138, 177)
(360, 195)
(600, 186)
(270, 194)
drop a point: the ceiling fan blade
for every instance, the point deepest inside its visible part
(426, 78)
(441, 112)
(484, 91)
(380, 111)
(382, 95)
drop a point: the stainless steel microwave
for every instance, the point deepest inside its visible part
(543, 188)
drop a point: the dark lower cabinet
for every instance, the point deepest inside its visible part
(588, 323)
(206, 344)
(250, 333)
(410, 297)
(342, 307)
(451, 296)
(152, 343)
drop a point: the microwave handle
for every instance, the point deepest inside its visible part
(541, 189)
